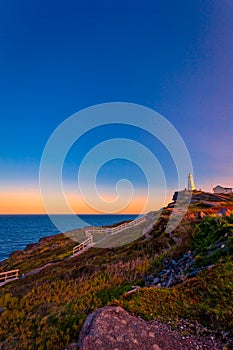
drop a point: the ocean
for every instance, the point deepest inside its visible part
(16, 231)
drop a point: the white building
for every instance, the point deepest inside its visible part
(191, 186)
(222, 190)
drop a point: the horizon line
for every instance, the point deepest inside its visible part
(1, 214)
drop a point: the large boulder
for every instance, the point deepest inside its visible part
(113, 328)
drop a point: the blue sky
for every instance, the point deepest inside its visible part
(58, 57)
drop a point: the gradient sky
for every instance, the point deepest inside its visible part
(59, 57)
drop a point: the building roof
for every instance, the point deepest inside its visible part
(225, 188)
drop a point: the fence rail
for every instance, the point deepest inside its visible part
(82, 245)
(116, 229)
(111, 230)
(8, 275)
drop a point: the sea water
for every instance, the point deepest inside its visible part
(16, 231)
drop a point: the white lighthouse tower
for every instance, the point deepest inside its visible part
(191, 186)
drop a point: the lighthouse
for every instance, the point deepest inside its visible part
(191, 186)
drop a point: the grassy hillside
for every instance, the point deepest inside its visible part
(46, 310)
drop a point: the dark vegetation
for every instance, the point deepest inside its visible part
(46, 310)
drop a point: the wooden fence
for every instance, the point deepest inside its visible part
(116, 229)
(111, 230)
(82, 245)
(14, 274)
(9, 275)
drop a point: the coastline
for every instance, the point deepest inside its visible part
(34, 231)
(173, 277)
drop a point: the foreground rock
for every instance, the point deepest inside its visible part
(113, 328)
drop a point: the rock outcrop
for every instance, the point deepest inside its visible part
(113, 328)
(174, 272)
(199, 196)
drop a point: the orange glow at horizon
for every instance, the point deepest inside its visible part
(30, 202)
(21, 203)
(78, 205)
